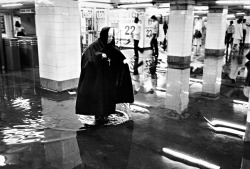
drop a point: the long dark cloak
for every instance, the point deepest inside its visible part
(103, 84)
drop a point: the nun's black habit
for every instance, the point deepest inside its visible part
(102, 84)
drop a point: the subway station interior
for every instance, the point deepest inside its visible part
(194, 114)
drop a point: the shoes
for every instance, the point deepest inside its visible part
(101, 120)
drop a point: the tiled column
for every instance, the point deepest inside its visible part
(179, 54)
(58, 32)
(8, 25)
(214, 51)
(247, 40)
(2, 60)
(247, 132)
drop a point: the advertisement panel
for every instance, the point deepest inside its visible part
(123, 22)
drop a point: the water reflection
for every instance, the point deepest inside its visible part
(245, 164)
(106, 146)
(61, 149)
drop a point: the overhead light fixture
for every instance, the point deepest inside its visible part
(201, 8)
(201, 12)
(12, 5)
(164, 5)
(196, 16)
(234, 2)
(136, 5)
(189, 159)
(135, 1)
(230, 16)
(247, 6)
(240, 13)
(91, 4)
(105, 1)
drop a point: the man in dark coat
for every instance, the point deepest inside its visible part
(105, 78)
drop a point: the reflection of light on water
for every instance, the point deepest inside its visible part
(226, 124)
(227, 130)
(2, 160)
(176, 164)
(21, 136)
(190, 159)
(21, 103)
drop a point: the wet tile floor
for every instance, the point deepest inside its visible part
(39, 130)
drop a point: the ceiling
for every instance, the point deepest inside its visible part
(31, 4)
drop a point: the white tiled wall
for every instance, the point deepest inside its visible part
(58, 32)
(177, 88)
(216, 28)
(212, 75)
(180, 32)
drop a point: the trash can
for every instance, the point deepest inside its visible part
(28, 51)
(11, 54)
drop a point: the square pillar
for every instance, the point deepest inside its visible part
(214, 51)
(247, 40)
(179, 53)
(58, 32)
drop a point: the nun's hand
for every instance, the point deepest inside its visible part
(104, 55)
(126, 61)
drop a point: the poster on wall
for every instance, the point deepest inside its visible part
(100, 18)
(122, 21)
(2, 24)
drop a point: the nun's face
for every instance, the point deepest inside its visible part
(110, 35)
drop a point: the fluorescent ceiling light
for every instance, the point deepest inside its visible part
(135, 1)
(164, 5)
(190, 159)
(105, 1)
(91, 4)
(200, 8)
(12, 5)
(233, 2)
(240, 13)
(230, 16)
(201, 12)
(247, 6)
(196, 16)
(135, 6)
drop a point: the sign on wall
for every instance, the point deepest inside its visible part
(2, 24)
(122, 21)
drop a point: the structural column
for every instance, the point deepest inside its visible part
(8, 25)
(179, 54)
(214, 51)
(58, 31)
(247, 40)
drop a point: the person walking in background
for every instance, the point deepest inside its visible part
(238, 35)
(136, 36)
(165, 29)
(154, 45)
(229, 38)
(19, 30)
(105, 79)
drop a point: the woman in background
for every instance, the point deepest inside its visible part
(19, 30)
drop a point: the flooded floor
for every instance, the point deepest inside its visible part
(39, 130)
